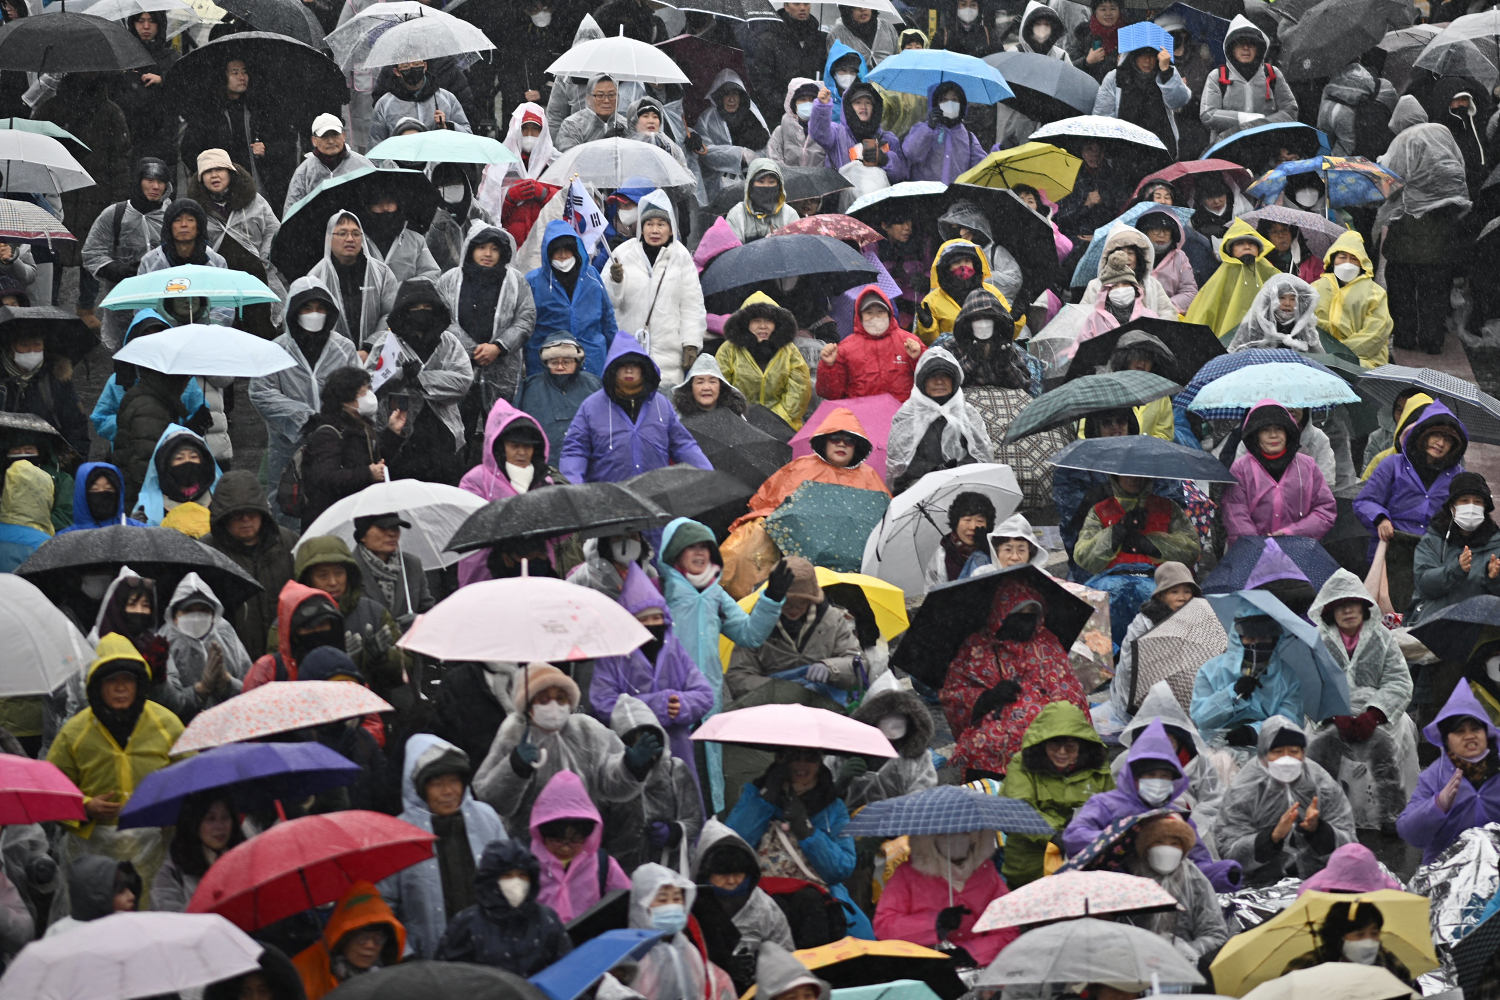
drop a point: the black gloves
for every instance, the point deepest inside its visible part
(795, 814)
(695, 143)
(949, 918)
(779, 581)
(849, 769)
(117, 271)
(1242, 736)
(201, 420)
(524, 759)
(1246, 685)
(924, 315)
(40, 871)
(996, 698)
(640, 757)
(409, 372)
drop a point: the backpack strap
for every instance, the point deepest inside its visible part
(280, 669)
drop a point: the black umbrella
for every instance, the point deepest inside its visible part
(1453, 632)
(62, 330)
(1332, 33)
(1023, 232)
(70, 43)
(161, 554)
(593, 510)
(1477, 956)
(611, 913)
(1238, 565)
(735, 447)
(282, 17)
(1046, 89)
(1141, 455)
(830, 264)
(954, 611)
(1348, 541)
(687, 491)
(1192, 345)
(439, 979)
(800, 184)
(296, 79)
(27, 424)
(766, 419)
(302, 238)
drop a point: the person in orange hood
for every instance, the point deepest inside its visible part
(362, 934)
(840, 448)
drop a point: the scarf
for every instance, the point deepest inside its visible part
(1141, 102)
(385, 575)
(1276, 464)
(1477, 772)
(704, 580)
(455, 863)
(1105, 35)
(955, 555)
(14, 371)
(520, 476)
(478, 300)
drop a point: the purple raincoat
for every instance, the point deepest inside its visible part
(1424, 824)
(943, 152)
(837, 140)
(488, 479)
(1395, 491)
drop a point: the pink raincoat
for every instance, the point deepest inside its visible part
(1299, 504)
(719, 238)
(571, 890)
(911, 900)
(488, 479)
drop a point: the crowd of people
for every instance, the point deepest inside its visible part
(1094, 474)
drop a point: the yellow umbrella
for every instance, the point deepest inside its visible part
(1048, 168)
(886, 600)
(1263, 953)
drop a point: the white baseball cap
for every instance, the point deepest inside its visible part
(326, 123)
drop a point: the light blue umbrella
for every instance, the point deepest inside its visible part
(916, 71)
(1143, 35)
(1088, 264)
(1292, 385)
(443, 146)
(221, 286)
(896, 989)
(1325, 688)
(206, 349)
(43, 128)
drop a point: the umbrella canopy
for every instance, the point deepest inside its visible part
(277, 707)
(126, 955)
(1399, 49)
(70, 141)
(1222, 365)
(612, 163)
(443, 146)
(1073, 894)
(1318, 232)
(221, 286)
(1253, 148)
(595, 510)
(36, 791)
(256, 773)
(734, 10)
(63, 331)
(1076, 399)
(795, 726)
(622, 58)
(853, 962)
(1087, 267)
(1239, 565)
(734, 446)
(878, 607)
(280, 17)
(1468, 46)
(1479, 411)
(686, 491)
(953, 611)
(1079, 129)
(1045, 89)
(30, 161)
(438, 979)
(915, 198)
(1474, 954)
(833, 225)
(1089, 951)
(1183, 173)
(306, 862)
(801, 184)
(828, 264)
(162, 554)
(1349, 180)
(206, 349)
(1048, 168)
(434, 511)
(1114, 845)
(1334, 33)
(898, 989)
(70, 43)
(422, 38)
(827, 524)
(1142, 455)
(306, 81)
(917, 71)
(553, 621)
(1230, 396)
(1454, 632)
(23, 222)
(1027, 234)
(1175, 649)
(1263, 953)
(300, 242)
(1325, 687)
(1334, 981)
(574, 974)
(902, 545)
(1203, 27)
(946, 809)
(45, 648)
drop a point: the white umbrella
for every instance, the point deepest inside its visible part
(43, 648)
(350, 42)
(434, 510)
(127, 955)
(609, 163)
(180, 15)
(426, 37)
(206, 349)
(33, 162)
(622, 58)
(900, 548)
(1088, 951)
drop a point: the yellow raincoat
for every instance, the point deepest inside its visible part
(1226, 296)
(1355, 313)
(1408, 414)
(27, 500)
(784, 386)
(940, 308)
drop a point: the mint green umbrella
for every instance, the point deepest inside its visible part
(443, 146)
(221, 286)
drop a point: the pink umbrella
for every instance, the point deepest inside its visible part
(278, 707)
(874, 414)
(795, 726)
(1067, 895)
(525, 620)
(35, 791)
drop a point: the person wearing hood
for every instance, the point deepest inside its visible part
(37, 380)
(25, 513)
(705, 389)
(732, 119)
(389, 237)
(506, 927)
(539, 31)
(653, 286)
(937, 897)
(1247, 90)
(1175, 588)
(362, 935)
(552, 396)
(124, 233)
(364, 285)
(758, 357)
(959, 269)
(1010, 543)
(735, 916)
(1279, 490)
(646, 120)
(1289, 252)
(138, 92)
(528, 136)
(893, 707)
(1134, 526)
(288, 399)
(863, 30)
(1352, 868)
(964, 220)
(1283, 815)
(206, 828)
(329, 157)
(96, 888)
(1060, 766)
(935, 429)
(1195, 926)
(1282, 314)
(983, 342)
(435, 797)
(1146, 90)
(1459, 105)
(813, 644)
(863, 363)
(1129, 246)
(1409, 487)
(858, 136)
(514, 459)
(840, 447)
(206, 663)
(570, 295)
(566, 834)
(1459, 554)
(1205, 790)
(967, 27)
(1213, 208)
(1225, 298)
(105, 415)
(942, 147)
(1339, 115)
(377, 784)
(369, 630)
(107, 749)
(1459, 790)
(98, 498)
(417, 94)
(1352, 306)
(181, 473)
(790, 145)
(971, 517)
(1041, 31)
(1173, 271)
(1251, 681)
(764, 207)
(599, 119)
(677, 967)
(670, 809)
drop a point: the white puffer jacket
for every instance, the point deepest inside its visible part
(661, 304)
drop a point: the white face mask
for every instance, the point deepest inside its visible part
(1041, 32)
(541, 18)
(551, 716)
(1347, 272)
(1164, 858)
(528, 143)
(1121, 295)
(195, 624)
(628, 215)
(366, 405)
(982, 329)
(843, 80)
(804, 110)
(949, 109)
(1306, 197)
(876, 325)
(1362, 952)
(893, 726)
(1468, 516)
(30, 361)
(626, 550)
(1154, 791)
(564, 266)
(452, 193)
(515, 889)
(968, 15)
(312, 322)
(1285, 769)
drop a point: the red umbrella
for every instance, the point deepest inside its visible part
(35, 791)
(840, 227)
(1189, 168)
(307, 862)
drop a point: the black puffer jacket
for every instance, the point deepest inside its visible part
(521, 939)
(269, 559)
(149, 406)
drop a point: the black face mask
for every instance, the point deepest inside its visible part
(658, 632)
(412, 77)
(137, 623)
(103, 506)
(383, 227)
(188, 481)
(305, 642)
(764, 199)
(421, 322)
(1018, 627)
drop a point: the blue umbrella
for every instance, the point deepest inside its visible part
(256, 773)
(1349, 180)
(916, 71)
(1252, 146)
(901, 989)
(1142, 455)
(1325, 688)
(572, 976)
(1088, 264)
(1230, 396)
(947, 809)
(443, 146)
(1240, 563)
(1226, 363)
(1143, 35)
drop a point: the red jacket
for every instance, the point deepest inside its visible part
(868, 366)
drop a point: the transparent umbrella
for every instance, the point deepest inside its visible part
(1089, 951)
(622, 58)
(206, 349)
(609, 163)
(31, 161)
(426, 37)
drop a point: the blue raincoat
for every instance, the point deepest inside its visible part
(81, 516)
(108, 406)
(587, 312)
(1216, 707)
(151, 500)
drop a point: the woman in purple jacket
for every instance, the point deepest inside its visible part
(859, 137)
(1411, 485)
(1278, 489)
(1461, 789)
(942, 147)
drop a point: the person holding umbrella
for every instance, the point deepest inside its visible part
(1136, 527)
(971, 516)
(1145, 89)
(416, 94)
(599, 119)
(1237, 691)
(206, 828)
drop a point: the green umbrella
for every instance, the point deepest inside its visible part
(827, 524)
(221, 286)
(442, 146)
(1088, 394)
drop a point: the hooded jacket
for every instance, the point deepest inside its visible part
(883, 41)
(423, 104)
(748, 125)
(585, 125)
(1396, 492)
(312, 172)
(1216, 708)
(825, 634)
(140, 233)
(730, 398)
(363, 615)
(676, 967)
(747, 223)
(939, 149)
(927, 435)
(1205, 791)
(1158, 299)
(661, 301)
(790, 144)
(488, 479)
(1377, 672)
(755, 915)
(867, 365)
(1260, 327)
(1195, 927)
(1342, 95)
(1255, 801)
(153, 502)
(1421, 223)
(360, 907)
(82, 518)
(603, 442)
(415, 894)
(1233, 100)
(1172, 91)
(554, 399)
(1424, 824)
(522, 940)
(542, 154)
(1299, 503)
(827, 851)
(1167, 528)
(815, 468)
(572, 890)
(164, 254)
(514, 318)
(836, 133)
(933, 880)
(783, 385)
(939, 308)
(106, 409)
(187, 656)
(25, 513)
(1226, 296)
(268, 560)
(669, 793)
(1356, 313)
(281, 665)
(1056, 45)
(586, 313)
(911, 770)
(377, 290)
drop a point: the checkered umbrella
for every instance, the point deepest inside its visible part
(1475, 956)
(1175, 649)
(947, 809)
(1089, 394)
(1479, 411)
(1113, 846)
(21, 222)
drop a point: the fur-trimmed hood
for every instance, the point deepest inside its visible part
(758, 305)
(890, 699)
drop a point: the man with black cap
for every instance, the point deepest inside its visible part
(392, 577)
(330, 157)
(123, 234)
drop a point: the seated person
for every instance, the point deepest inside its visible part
(1205, 791)
(362, 934)
(1141, 352)
(734, 913)
(970, 518)
(1226, 296)
(1279, 490)
(661, 900)
(1196, 927)
(670, 808)
(1012, 543)
(1175, 587)
(779, 976)
(1282, 314)
(813, 643)
(935, 428)
(891, 706)
(566, 833)
(758, 357)
(1410, 486)
(937, 896)
(1459, 554)
(1283, 814)
(1351, 932)
(840, 447)
(507, 927)
(1134, 527)
(1248, 683)
(1461, 789)
(1352, 305)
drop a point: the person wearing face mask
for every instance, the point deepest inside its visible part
(25, 513)
(459, 211)
(1283, 314)
(765, 207)
(416, 92)
(997, 372)
(1351, 933)
(937, 896)
(790, 145)
(1408, 488)
(1283, 815)
(608, 561)
(35, 380)
(1459, 554)
(98, 498)
(306, 619)
(942, 147)
(735, 915)
(1143, 256)
(1352, 307)
(968, 27)
(813, 645)
(1041, 31)
(206, 663)
(1195, 927)
(676, 967)
(1459, 790)
(1250, 681)
(343, 447)
(1060, 766)
(181, 473)
(878, 356)
(370, 630)
(1461, 107)
(529, 138)
(959, 269)
(390, 239)
(1199, 762)
(506, 927)
(569, 295)
(1225, 298)
(653, 284)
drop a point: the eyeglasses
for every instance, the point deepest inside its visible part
(607, 96)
